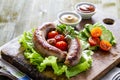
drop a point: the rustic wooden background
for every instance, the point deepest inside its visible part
(17, 16)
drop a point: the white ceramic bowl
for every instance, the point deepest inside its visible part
(69, 13)
(83, 14)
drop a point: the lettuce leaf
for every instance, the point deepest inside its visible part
(52, 61)
(30, 53)
(84, 44)
(26, 40)
(83, 65)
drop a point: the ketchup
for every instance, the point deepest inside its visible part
(86, 8)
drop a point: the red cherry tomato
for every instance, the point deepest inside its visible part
(59, 37)
(105, 45)
(94, 41)
(52, 34)
(61, 45)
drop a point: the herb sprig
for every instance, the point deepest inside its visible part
(68, 31)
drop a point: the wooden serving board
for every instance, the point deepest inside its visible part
(102, 61)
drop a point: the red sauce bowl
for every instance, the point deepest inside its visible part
(85, 9)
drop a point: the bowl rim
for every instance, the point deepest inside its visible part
(76, 6)
(69, 12)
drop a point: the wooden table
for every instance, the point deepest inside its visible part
(17, 16)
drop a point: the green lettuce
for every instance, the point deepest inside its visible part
(85, 34)
(84, 44)
(59, 68)
(52, 61)
(27, 44)
(83, 65)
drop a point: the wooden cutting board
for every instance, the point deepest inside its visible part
(102, 61)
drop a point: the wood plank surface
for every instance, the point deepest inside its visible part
(17, 16)
(102, 61)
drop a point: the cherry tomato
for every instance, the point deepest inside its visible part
(59, 37)
(105, 45)
(61, 45)
(96, 32)
(94, 41)
(52, 34)
(51, 41)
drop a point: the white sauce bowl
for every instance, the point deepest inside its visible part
(74, 15)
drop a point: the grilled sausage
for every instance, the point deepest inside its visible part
(74, 54)
(42, 46)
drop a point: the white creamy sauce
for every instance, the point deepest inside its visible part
(69, 18)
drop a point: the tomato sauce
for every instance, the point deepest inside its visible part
(86, 8)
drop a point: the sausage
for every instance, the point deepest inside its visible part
(74, 54)
(70, 58)
(42, 46)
